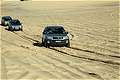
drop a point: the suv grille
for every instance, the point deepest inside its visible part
(57, 37)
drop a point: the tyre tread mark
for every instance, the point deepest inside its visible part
(85, 72)
(98, 60)
(93, 52)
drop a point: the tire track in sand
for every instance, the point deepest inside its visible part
(87, 58)
(54, 65)
(3, 69)
(99, 60)
(82, 71)
(93, 74)
(26, 73)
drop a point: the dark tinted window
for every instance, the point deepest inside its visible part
(7, 18)
(15, 22)
(55, 30)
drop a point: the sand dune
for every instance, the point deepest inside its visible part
(94, 52)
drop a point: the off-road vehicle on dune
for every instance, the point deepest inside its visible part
(55, 36)
(15, 25)
(5, 20)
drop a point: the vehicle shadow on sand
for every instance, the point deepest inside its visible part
(7, 29)
(3, 25)
(38, 44)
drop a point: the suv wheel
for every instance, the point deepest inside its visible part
(2, 24)
(9, 29)
(46, 45)
(67, 45)
(21, 29)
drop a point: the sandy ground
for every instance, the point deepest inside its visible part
(94, 52)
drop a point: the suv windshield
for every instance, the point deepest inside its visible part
(55, 30)
(15, 23)
(8, 18)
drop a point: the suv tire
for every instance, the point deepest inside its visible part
(67, 45)
(2, 24)
(21, 29)
(9, 29)
(45, 44)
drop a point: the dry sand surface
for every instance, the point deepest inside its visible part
(94, 32)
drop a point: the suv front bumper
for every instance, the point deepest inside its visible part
(57, 42)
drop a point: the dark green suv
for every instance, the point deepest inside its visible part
(55, 36)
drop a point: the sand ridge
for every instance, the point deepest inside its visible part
(94, 52)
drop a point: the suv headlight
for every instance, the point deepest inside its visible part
(20, 26)
(49, 37)
(65, 37)
(6, 22)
